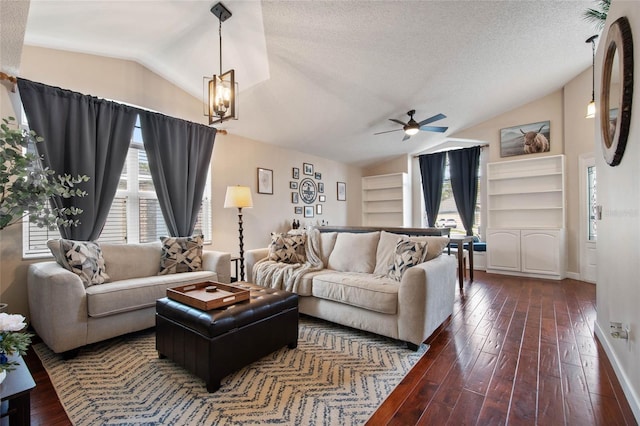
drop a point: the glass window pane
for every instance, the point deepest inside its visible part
(592, 196)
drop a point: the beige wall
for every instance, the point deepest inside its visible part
(400, 164)
(235, 159)
(617, 290)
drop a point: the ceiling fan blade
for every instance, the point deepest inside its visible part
(388, 131)
(434, 129)
(398, 121)
(405, 137)
(432, 119)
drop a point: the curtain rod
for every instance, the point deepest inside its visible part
(9, 78)
(453, 149)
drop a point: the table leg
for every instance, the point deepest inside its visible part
(471, 261)
(461, 265)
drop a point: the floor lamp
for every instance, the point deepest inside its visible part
(239, 197)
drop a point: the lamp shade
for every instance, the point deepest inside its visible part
(591, 110)
(238, 196)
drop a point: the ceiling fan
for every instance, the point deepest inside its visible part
(412, 127)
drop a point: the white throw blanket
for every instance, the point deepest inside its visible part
(287, 276)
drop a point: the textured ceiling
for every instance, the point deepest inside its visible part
(323, 76)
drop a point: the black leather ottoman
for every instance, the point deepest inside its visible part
(212, 344)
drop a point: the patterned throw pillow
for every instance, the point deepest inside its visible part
(288, 248)
(408, 253)
(83, 258)
(181, 254)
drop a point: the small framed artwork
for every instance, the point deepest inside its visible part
(525, 139)
(342, 191)
(308, 211)
(322, 198)
(297, 210)
(318, 176)
(293, 185)
(294, 197)
(318, 208)
(320, 187)
(265, 181)
(307, 169)
(295, 173)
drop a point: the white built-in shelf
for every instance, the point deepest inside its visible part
(386, 200)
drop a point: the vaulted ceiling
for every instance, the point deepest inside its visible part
(323, 76)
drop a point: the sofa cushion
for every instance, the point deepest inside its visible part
(305, 286)
(372, 292)
(354, 252)
(407, 254)
(435, 245)
(385, 253)
(181, 254)
(288, 248)
(137, 293)
(327, 243)
(83, 258)
(132, 260)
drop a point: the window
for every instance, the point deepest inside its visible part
(593, 203)
(135, 215)
(448, 215)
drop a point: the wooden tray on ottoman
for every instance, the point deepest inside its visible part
(196, 296)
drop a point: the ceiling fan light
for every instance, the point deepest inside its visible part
(411, 130)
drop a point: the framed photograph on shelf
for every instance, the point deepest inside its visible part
(297, 210)
(307, 169)
(318, 176)
(295, 173)
(265, 181)
(320, 187)
(342, 191)
(294, 197)
(322, 198)
(308, 211)
(293, 185)
(318, 208)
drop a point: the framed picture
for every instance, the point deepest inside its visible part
(265, 181)
(318, 208)
(525, 139)
(293, 185)
(322, 198)
(307, 169)
(318, 176)
(320, 187)
(295, 173)
(297, 210)
(308, 211)
(294, 197)
(342, 191)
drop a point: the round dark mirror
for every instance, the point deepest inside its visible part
(616, 91)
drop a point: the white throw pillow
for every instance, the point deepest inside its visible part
(435, 245)
(354, 252)
(327, 242)
(385, 253)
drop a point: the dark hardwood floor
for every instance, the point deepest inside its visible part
(516, 351)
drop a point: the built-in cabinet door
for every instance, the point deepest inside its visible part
(503, 249)
(541, 251)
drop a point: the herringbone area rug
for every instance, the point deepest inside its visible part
(336, 376)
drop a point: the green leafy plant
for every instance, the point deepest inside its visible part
(599, 15)
(26, 187)
(13, 340)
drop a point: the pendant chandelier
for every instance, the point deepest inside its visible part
(222, 101)
(591, 108)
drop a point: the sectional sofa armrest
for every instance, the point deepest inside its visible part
(251, 257)
(218, 262)
(425, 298)
(57, 306)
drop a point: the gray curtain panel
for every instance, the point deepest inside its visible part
(463, 168)
(83, 135)
(432, 171)
(179, 153)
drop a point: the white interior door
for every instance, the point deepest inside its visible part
(588, 218)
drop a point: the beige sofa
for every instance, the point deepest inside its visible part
(352, 288)
(66, 315)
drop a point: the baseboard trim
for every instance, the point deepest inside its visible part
(632, 396)
(574, 276)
